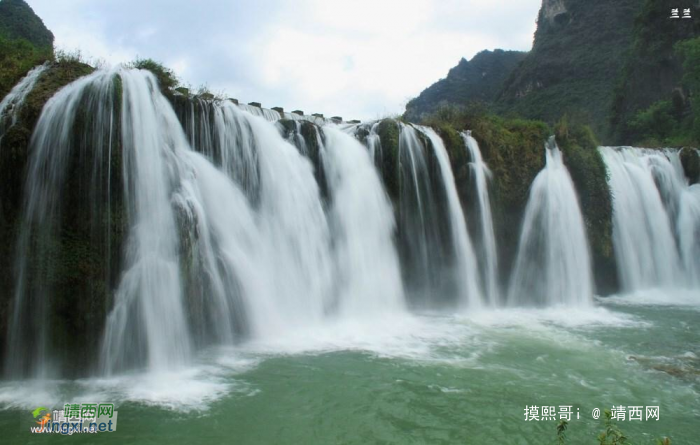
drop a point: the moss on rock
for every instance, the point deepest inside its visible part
(388, 131)
(690, 159)
(590, 176)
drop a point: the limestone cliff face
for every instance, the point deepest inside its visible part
(555, 11)
(575, 62)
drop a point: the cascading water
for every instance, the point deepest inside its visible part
(367, 266)
(466, 268)
(553, 265)
(374, 144)
(437, 258)
(148, 322)
(293, 276)
(656, 218)
(47, 212)
(488, 253)
(425, 240)
(12, 102)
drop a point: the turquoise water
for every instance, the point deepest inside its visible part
(416, 379)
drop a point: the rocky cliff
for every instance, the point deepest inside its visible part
(477, 80)
(576, 59)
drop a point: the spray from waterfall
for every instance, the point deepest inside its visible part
(553, 265)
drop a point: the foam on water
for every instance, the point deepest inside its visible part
(657, 297)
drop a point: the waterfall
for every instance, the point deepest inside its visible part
(367, 265)
(148, 322)
(176, 223)
(425, 238)
(488, 253)
(297, 237)
(47, 212)
(553, 264)
(374, 143)
(12, 103)
(656, 218)
(466, 270)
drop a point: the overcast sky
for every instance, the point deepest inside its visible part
(355, 58)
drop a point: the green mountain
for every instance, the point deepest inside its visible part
(18, 21)
(576, 59)
(24, 42)
(477, 80)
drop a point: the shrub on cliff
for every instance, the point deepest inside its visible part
(166, 77)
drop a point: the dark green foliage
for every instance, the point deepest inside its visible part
(477, 80)
(18, 21)
(655, 123)
(574, 63)
(561, 432)
(652, 70)
(590, 176)
(674, 120)
(166, 77)
(689, 51)
(611, 435)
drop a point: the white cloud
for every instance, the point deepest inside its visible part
(358, 59)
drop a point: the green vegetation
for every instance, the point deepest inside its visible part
(611, 434)
(17, 57)
(24, 42)
(166, 77)
(689, 51)
(652, 78)
(674, 120)
(657, 123)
